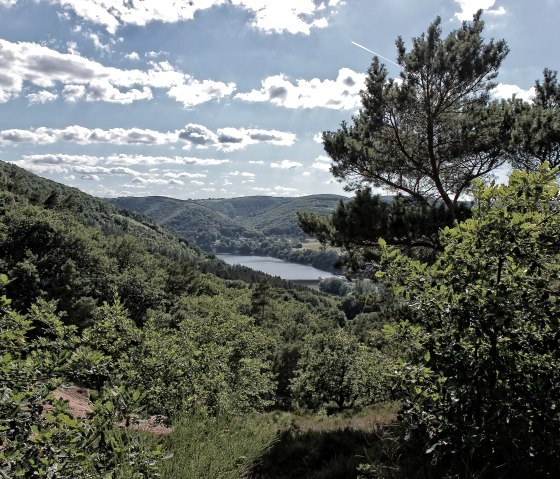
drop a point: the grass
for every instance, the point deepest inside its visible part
(327, 447)
(217, 448)
(315, 245)
(282, 445)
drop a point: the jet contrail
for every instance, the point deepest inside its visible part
(377, 54)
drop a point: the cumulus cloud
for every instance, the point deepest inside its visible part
(230, 139)
(506, 91)
(196, 92)
(132, 56)
(245, 174)
(111, 165)
(318, 165)
(286, 165)
(198, 135)
(292, 16)
(29, 64)
(283, 191)
(157, 181)
(470, 7)
(341, 94)
(322, 163)
(225, 139)
(85, 136)
(123, 159)
(184, 174)
(42, 96)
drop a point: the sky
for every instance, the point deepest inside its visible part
(217, 98)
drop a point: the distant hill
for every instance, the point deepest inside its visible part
(209, 221)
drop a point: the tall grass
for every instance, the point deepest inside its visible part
(203, 447)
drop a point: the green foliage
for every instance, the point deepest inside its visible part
(484, 381)
(536, 137)
(435, 131)
(427, 135)
(336, 368)
(335, 286)
(222, 447)
(39, 437)
(357, 225)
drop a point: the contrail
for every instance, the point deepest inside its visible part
(381, 56)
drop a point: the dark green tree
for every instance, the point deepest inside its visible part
(536, 137)
(433, 131)
(427, 135)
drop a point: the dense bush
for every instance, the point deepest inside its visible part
(484, 385)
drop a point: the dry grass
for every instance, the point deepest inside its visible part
(315, 245)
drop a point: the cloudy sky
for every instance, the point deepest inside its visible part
(215, 98)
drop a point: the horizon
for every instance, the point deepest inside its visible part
(218, 100)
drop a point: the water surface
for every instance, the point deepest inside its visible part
(277, 267)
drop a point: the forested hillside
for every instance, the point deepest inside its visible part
(118, 305)
(248, 225)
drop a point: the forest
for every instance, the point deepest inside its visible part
(440, 358)
(259, 225)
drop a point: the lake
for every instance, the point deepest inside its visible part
(277, 267)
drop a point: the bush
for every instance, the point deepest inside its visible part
(485, 385)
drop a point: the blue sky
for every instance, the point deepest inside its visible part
(216, 98)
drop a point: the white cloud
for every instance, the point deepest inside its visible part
(73, 93)
(260, 162)
(470, 7)
(286, 165)
(225, 139)
(157, 181)
(97, 43)
(198, 135)
(197, 92)
(29, 64)
(318, 138)
(321, 166)
(230, 139)
(102, 90)
(85, 136)
(242, 173)
(113, 164)
(184, 174)
(25, 136)
(90, 177)
(198, 183)
(132, 56)
(123, 159)
(292, 16)
(341, 94)
(506, 91)
(284, 190)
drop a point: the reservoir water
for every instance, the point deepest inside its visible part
(277, 267)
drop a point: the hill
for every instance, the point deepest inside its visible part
(213, 223)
